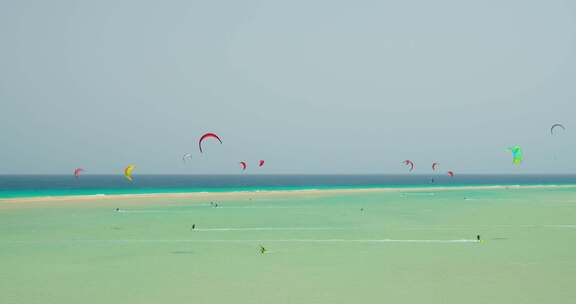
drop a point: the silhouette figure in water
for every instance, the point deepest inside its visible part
(478, 238)
(117, 209)
(361, 209)
(262, 249)
(193, 227)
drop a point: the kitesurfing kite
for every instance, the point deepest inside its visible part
(186, 156)
(128, 172)
(556, 125)
(243, 165)
(409, 163)
(451, 173)
(435, 166)
(517, 155)
(77, 172)
(205, 136)
(261, 163)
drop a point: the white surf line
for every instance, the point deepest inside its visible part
(303, 192)
(257, 241)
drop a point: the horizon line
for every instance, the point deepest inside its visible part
(291, 174)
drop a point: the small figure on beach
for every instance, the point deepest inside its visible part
(262, 249)
(193, 227)
(478, 238)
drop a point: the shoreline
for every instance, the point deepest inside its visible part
(250, 193)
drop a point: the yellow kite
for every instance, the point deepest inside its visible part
(128, 172)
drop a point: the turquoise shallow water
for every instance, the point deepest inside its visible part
(61, 185)
(399, 247)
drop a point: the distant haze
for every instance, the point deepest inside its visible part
(309, 86)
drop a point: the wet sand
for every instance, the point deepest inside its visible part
(266, 193)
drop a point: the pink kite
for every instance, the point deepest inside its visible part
(207, 135)
(77, 172)
(243, 165)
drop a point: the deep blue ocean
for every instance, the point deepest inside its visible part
(52, 185)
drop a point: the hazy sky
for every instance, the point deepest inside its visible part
(310, 86)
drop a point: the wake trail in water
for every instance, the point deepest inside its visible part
(424, 241)
(269, 229)
(211, 207)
